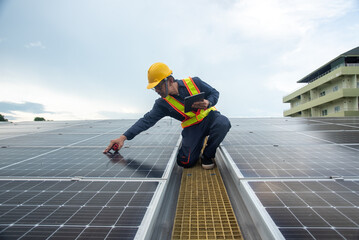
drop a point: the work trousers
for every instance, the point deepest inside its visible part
(215, 126)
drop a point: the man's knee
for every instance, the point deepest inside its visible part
(186, 161)
(223, 124)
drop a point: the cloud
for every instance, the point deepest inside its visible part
(23, 103)
(7, 107)
(281, 18)
(37, 44)
(19, 116)
(24, 111)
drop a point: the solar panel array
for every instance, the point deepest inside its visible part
(55, 182)
(301, 175)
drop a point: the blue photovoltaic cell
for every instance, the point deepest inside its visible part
(312, 209)
(49, 208)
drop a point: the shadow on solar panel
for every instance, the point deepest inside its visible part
(148, 171)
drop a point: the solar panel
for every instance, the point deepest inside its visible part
(42, 140)
(55, 182)
(95, 134)
(47, 208)
(295, 161)
(319, 127)
(80, 155)
(9, 130)
(298, 176)
(338, 120)
(279, 152)
(146, 139)
(88, 162)
(268, 138)
(14, 155)
(340, 137)
(311, 208)
(354, 146)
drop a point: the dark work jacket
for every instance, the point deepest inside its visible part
(161, 108)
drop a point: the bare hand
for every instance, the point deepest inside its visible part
(120, 141)
(201, 104)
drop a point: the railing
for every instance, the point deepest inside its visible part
(331, 70)
(321, 75)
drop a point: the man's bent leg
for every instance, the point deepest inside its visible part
(192, 143)
(218, 131)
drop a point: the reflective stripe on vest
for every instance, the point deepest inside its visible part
(191, 118)
(191, 86)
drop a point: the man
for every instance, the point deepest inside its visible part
(206, 121)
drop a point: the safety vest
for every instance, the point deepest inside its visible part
(191, 118)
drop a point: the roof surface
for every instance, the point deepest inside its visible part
(353, 52)
(300, 175)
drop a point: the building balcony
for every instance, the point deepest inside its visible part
(343, 70)
(346, 92)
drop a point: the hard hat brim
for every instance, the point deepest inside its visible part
(152, 85)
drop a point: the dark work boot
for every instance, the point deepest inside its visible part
(207, 163)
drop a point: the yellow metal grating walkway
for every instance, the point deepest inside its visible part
(203, 209)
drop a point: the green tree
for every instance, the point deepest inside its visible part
(39, 119)
(2, 118)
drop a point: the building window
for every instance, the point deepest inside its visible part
(324, 112)
(335, 88)
(321, 94)
(337, 109)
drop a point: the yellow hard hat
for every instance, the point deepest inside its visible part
(156, 73)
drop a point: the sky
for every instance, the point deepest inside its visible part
(87, 59)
